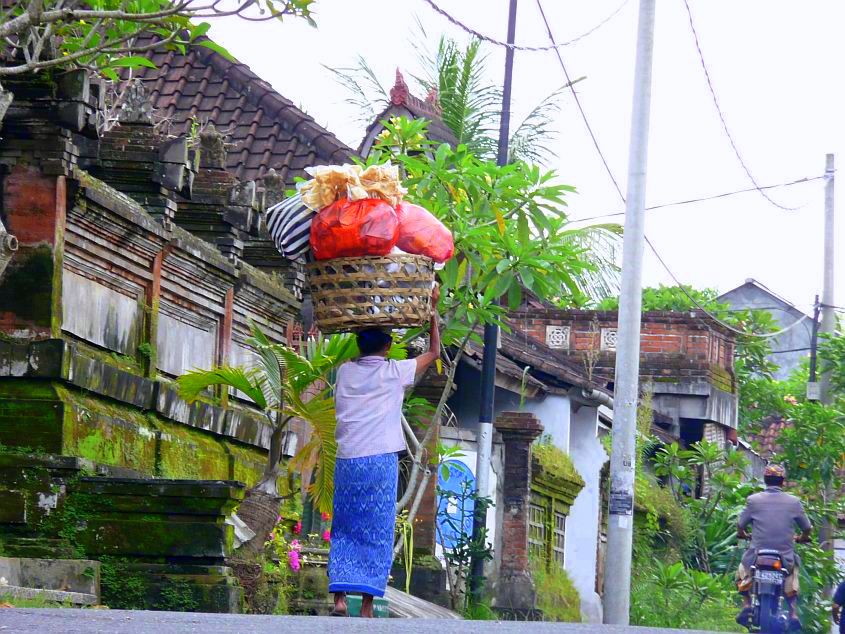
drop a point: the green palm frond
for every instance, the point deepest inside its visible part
(470, 104)
(272, 364)
(366, 93)
(321, 450)
(250, 381)
(533, 140)
(601, 246)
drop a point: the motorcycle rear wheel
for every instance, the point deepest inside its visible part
(769, 622)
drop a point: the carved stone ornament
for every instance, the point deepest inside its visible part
(135, 106)
(213, 147)
(557, 337)
(608, 339)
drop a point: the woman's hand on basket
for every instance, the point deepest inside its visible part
(435, 296)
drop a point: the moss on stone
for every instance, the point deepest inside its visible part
(188, 453)
(557, 596)
(556, 462)
(107, 433)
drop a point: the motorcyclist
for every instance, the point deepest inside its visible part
(772, 516)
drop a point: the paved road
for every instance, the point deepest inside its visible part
(120, 622)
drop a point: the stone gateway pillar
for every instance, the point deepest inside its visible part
(515, 595)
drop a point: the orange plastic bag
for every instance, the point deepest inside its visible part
(354, 228)
(420, 233)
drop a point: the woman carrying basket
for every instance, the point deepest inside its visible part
(368, 398)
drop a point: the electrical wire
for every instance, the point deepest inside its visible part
(531, 49)
(578, 102)
(721, 114)
(767, 335)
(622, 197)
(702, 199)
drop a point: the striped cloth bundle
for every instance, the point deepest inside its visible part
(289, 225)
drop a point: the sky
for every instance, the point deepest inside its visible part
(776, 67)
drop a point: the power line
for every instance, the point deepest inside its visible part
(532, 49)
(622, 197)
(767, 335)
(702, 199)
(721, 114)
(578, 102)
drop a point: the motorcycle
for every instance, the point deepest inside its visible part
(770, 613)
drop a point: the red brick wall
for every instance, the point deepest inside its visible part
(672, 345)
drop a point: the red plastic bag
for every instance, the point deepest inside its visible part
(420, 233)
(354, 228)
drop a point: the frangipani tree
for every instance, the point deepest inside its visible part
(511, 237)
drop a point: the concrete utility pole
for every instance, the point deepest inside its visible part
(828, 324)
(617, 584)
(491, 343)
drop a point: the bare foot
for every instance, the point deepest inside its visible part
(340, 603)
(367, 606)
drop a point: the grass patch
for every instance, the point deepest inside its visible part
(557, 597)
(555, 461)
(7, 601)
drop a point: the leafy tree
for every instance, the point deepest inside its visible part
(102, 35)
(510, 228)
(511, 234)
(471, 104)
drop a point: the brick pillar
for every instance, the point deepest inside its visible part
(514, 587)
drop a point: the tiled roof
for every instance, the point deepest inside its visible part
(767, 440)
(266, 130)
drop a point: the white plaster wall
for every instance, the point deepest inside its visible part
(582, 525)
(554, 412)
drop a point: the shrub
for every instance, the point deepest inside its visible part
(557, 597)
(671, 595)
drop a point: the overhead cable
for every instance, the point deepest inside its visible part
(702, 199)
(622, 197)
(578, 102)
(721, 114)
(766, 335)
(517, 47)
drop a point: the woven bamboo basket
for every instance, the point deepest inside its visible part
(393, 291)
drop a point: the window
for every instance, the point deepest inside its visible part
(558, 539)
(537, 531)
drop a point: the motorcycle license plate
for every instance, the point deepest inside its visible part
(768, 576)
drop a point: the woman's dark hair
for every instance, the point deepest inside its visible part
(373, 340)
(773, 481)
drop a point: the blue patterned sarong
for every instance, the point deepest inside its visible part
(363, 524)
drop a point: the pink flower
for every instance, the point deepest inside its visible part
(293, 560)
(278, 519)
(295, 545)
(327, 536)
(325, 516)
(297, 529)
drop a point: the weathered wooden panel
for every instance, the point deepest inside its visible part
(101, 315)
(185, 341)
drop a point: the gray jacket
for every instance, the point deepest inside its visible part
(773, 516)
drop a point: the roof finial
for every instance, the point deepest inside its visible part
(399, 92)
